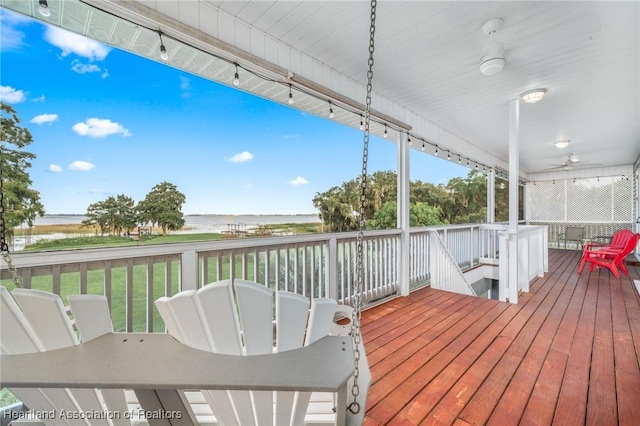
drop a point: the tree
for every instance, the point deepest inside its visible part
(420, 214)
(21, 201)
(461, 200)
(114, 215)
(163, 207)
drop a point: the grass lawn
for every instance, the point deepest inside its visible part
(142, 291)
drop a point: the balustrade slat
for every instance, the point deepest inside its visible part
(129, 295)
(150, 296)
(55, 272)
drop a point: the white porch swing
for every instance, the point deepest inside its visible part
(225, 360)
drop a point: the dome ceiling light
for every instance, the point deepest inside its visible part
(533, 96)
(493, 60)
(562, 144)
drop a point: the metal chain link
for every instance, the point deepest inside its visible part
(354, 406)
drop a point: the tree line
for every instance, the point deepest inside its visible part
(460, 200)
(119, 214)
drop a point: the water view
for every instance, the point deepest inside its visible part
(200, 223)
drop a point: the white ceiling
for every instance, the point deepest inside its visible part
(427, 53)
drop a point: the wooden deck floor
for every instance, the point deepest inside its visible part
(567, 354)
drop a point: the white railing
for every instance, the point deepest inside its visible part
(445, 272)
(532, 260)
(470, 245)
(315, 265)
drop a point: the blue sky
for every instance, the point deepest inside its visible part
(107, 122)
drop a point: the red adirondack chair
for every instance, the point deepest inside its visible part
(617, 243)
(612, 259)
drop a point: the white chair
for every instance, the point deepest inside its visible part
(36, 321)
(213, 319)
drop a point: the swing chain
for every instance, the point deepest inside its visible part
(4, 245)
(354, 406)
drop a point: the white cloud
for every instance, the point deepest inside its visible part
(44, 118)
(81, 166)
(99, 128)
(298, 181)
(12, 96)
(81, 68)
(73, 43)
(185, 83)
(290, 136)
(54, 168)
(40, 98)
(240, 158)
(12, 38)
(99, 191)
(105, 74)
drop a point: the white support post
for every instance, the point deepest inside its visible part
(514, 172)
(189, 270)
(404, 251)
(491, 196)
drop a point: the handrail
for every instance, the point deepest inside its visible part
(446, 274)
(314, 265)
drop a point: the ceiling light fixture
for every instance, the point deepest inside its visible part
(44, 8)
(290, 96)
(493, 61)
(331, 114)
(163, 50)
(385, 131)
(562, 144)
(533, 96)
(236, 77)
(361, 123)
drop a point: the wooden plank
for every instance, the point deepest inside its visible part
(513, 402)
(602, 404)
(401, 387)
(627, 373)
(525, 327)
(542, 402)
(469, 330)
(532, 358)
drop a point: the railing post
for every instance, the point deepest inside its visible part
(434, 257)
(503, 266)
(189, 270)
(332, 269)
(524, 264)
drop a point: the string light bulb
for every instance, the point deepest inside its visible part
(459, 159)
(409, 139)
(361, 123)
(236, 77)
(331, 114)
(44, 8)
(290, 96)
(385, 131)
(449, 156)
(436, 153)
(423, 147)
(163, 50)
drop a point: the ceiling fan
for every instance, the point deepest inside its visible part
(573, 162)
